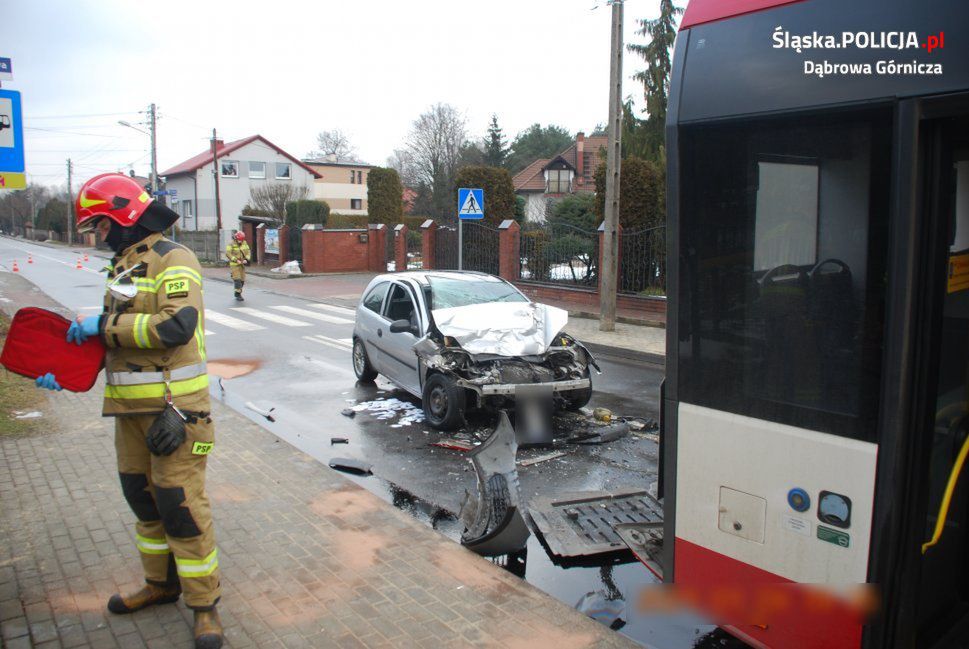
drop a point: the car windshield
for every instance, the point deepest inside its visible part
(448, 292)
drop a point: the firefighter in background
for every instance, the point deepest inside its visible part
(157, 390)
(238, 254)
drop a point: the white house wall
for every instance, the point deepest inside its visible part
(234, 192)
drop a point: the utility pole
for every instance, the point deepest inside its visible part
(154, 151)
(610, 240)
(70, 205)
(218, 201)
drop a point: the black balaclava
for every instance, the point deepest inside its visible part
(120, 238)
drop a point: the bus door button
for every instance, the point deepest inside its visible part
(742, 514)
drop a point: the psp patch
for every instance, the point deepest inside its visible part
(176, 288)
(202, 448)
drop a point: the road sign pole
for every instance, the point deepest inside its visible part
(460, 243)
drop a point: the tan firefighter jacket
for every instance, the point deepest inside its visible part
(237, 253)
(156, 340)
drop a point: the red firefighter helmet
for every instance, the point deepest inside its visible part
(239, 236)
(114, 196)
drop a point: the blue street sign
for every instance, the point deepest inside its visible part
(470, 203)
(11, 133)
(6, 69)
(173, 193)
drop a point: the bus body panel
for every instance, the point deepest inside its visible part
(738, 471)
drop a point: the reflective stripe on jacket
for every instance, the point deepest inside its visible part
(158, 335)
(237, 253)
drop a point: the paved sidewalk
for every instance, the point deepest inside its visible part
(308, 558)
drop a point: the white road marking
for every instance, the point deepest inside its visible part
(271, 317)
(335, 343)
(209, 333)
(350, 313)
(229, 321)
(322, 317)
(38, 254)
(347, 341)
(91, 308)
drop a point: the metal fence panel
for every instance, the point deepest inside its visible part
(559, 253)
(480, 247)
(642, 261)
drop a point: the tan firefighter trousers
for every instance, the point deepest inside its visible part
(175, 536)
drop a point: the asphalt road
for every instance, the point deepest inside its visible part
(292, 355)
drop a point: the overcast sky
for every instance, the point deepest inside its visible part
(287, 70)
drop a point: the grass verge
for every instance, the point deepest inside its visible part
(18, 395)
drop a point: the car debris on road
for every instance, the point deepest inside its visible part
(493, 519)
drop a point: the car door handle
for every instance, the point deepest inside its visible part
(380, 333)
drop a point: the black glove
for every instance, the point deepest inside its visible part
(167, 432)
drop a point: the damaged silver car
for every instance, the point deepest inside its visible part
(460, 339)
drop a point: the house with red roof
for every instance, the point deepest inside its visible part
(242, 165)
(547, 180)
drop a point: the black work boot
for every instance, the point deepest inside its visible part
(208, 629)
(239, 298)
(149, 595)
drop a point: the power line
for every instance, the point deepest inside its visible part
(130, 112)
(50, 130)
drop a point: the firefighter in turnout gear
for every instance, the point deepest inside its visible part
(238, 254)
(157, 390)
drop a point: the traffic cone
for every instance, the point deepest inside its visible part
(30, 259)
(85, 256)
(79, 266)
(15, 268)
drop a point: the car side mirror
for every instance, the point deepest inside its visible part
(403, 326)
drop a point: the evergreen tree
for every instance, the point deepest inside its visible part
(496, 148)
(656, 77)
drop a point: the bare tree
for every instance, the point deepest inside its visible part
(434, 145)
(272, 198)
(335, 144)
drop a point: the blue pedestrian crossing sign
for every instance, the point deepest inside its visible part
(470, 203)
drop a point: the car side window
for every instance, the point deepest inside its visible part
(375, 298)
(401, 306)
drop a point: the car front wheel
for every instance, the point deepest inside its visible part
(575, 399)
(361, 362)
(443, 402)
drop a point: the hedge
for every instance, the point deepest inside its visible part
(499, 191)
(299, 213)
(385, 203)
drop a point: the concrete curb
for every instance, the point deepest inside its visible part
(622, 353)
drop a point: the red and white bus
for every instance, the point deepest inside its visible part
(815, 405)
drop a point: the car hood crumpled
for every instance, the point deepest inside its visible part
(502, 328)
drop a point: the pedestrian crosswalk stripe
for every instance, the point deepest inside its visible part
(229, 321)
(335, 343)
(271, 317)
(209, 333)
(346, 341)
(322, 317)
(335, 309)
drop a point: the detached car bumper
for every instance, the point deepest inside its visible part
(512, 389)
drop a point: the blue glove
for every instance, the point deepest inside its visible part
(48, 381)
(81, 331)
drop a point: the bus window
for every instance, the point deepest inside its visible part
(782, 278)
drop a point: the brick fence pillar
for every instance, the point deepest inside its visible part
(428, 240)
(400, 247)
(602, 245)
(283, 244)
(261, 243)
(509, 246)
(377, 248)
(312, 250)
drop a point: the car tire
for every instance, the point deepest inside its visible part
(443, 402)
(361, 362)
(575, 399)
